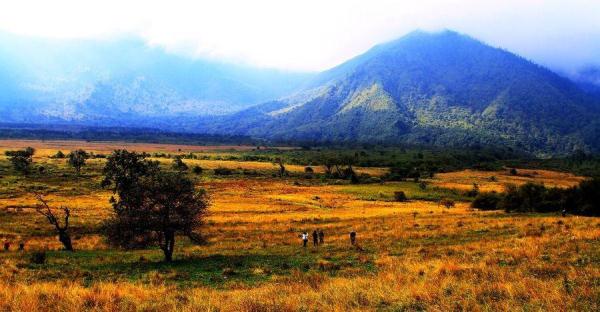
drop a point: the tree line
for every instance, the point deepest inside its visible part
(582, 199)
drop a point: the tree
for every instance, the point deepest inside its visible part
(21, 160)
(63, 231)
(280, 163)
(124, 169)
(179, 165)
(152, 207)
(76, 159)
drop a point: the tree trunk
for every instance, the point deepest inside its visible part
(169, 245)
(65, 239)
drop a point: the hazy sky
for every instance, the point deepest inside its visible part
(315, 35)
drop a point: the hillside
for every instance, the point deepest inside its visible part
(431, 88)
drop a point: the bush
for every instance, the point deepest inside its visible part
(448, 203)
(223, 171)
(179, 165)
(38, 257)
(308, 170)
(400, 196)
(486, 201)
(59, 155)
(197, 170)
(474, 191)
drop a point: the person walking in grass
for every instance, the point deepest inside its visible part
(321, 237)
(315, 236)
(304, 239)
(353, 237)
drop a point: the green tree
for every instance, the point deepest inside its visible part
(76, 159)
(152, 207)
(21, 160)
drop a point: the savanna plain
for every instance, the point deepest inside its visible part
(429, 251)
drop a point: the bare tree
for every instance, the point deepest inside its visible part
(63, 231)
(280, 163)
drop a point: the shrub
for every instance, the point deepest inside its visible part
(59, 155)
(223, 171)
(197, 170)
(486, 201)
(448, 203)
(474, 191)
(38, 257)
(179, 165)
(400, 196)
(308, 169)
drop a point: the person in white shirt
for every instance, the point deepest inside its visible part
(304, 239)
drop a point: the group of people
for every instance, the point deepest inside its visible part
(7, 246)
(318, 237)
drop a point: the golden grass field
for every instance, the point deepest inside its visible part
(411, 256)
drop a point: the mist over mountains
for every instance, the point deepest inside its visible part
(123, 80)
(441, 88)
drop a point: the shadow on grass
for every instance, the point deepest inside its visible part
(147, 267)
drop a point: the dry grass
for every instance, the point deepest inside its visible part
(497, 180)
(411, 256)
(47, 148)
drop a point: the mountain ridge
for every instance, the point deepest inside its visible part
(442, 85)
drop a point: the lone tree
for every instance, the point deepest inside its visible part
(62, 230)
(152, 207)
(21, 160)
(76, 159)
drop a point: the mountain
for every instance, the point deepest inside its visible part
(124, 82)
(588, 78)
(440, 88)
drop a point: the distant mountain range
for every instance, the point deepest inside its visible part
(124, 81)
(431, 88)
(439, 88)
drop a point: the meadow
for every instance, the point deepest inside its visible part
(414, 255)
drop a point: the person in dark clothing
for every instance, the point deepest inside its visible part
(353, 237)
(321, 237)
(21, 246)
(315, 236)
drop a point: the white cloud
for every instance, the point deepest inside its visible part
(310, 34)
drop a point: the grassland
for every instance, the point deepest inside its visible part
(411, 256)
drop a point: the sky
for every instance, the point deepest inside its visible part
(310, 35)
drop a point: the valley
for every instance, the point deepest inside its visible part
(414, 254)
